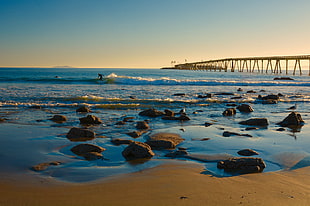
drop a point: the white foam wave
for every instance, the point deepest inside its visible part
(128, 80)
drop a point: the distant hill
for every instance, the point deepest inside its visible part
(63, 67)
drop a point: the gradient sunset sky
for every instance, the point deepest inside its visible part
(148, 33)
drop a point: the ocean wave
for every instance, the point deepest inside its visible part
(127, 80)
(136, 80)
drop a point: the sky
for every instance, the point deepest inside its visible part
(148, 33)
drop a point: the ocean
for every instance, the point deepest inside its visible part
(31, 96)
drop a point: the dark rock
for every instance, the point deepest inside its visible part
(177, 153)
(269, 101)
(224, 93)
(251, 128)
(179, 94)
(36, 107)
(231, 105)
(240, 90)
(242, 165)
(245, 108)
(137, 150)
(90, 119)
(118, 141)
(271, 97)
(142, 125)
(183, 117)
(229, 112)
(255, 121)
(59, 118)
(281, 129)
(135, 134)
(205, 139)
(83, 109)
(169, 118)
(92, 156)
(228, 134)
(164, 140)
(247, 152)
(238, 97)
(204, 96)
(283, 78)
(120, 123)
(128, 119)
(251, 91)
(293, 119)
(169, 113)
(81, 149)
(44, 166)
(208, 124)
(77, 134)
(151, 113)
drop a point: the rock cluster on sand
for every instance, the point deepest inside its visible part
(164, 140)
(78, 134)
(293, 119)
(242, 165)
(137, 150)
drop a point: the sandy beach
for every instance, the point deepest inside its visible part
(168, 184)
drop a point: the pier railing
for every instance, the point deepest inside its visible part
(274, 64)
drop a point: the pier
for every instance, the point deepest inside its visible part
(274, 65)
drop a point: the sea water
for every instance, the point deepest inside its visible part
(28, 137)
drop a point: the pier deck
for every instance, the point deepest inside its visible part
(273, 64)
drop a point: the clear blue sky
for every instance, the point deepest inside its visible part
(148, 33)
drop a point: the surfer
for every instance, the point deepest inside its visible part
(100, 76)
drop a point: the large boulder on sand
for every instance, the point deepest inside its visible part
(293, 119)
(242, 165)
(164, 140)
(151, 113)
(90, 119)
(84, 148)
(137, 150)
(245, 108)
(78, 134)
(88, 151)
(255, 121)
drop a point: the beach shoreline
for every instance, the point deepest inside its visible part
(167, 184)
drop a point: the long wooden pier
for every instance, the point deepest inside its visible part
(274, 64)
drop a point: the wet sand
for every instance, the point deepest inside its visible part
(168, 184)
